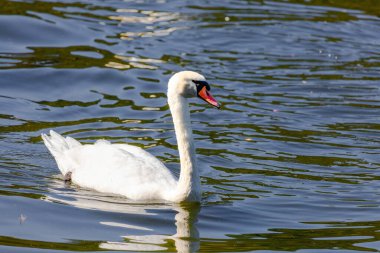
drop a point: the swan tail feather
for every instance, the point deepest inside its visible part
(50, 146)
(72, 143)
(58, 145)
(59, 141)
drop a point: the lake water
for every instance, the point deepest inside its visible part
(290, 163)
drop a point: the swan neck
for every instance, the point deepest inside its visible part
(188, 187)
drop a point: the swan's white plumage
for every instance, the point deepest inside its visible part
(115, 168)
(129, 170)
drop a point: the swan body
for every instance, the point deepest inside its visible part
(131, 171)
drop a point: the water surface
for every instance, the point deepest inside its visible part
(290, 162)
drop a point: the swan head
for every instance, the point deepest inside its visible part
(191, 84)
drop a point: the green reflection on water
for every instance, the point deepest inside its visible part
(60, 58)
(32, 8)
(21, 194)
(344, 236)
(72, 246)
(64, 103)
(369, 6)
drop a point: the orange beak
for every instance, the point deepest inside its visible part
(206, 96)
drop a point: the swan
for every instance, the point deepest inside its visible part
(130, 171)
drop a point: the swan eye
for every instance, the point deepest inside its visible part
(201, 84)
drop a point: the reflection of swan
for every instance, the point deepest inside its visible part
(86, 199)
(186, 239)
(141, 234)
(187, 236)
(130, 171)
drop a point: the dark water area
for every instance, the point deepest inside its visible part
(289, 164)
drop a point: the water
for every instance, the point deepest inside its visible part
(290, 162)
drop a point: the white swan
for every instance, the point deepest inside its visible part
(129, 170)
